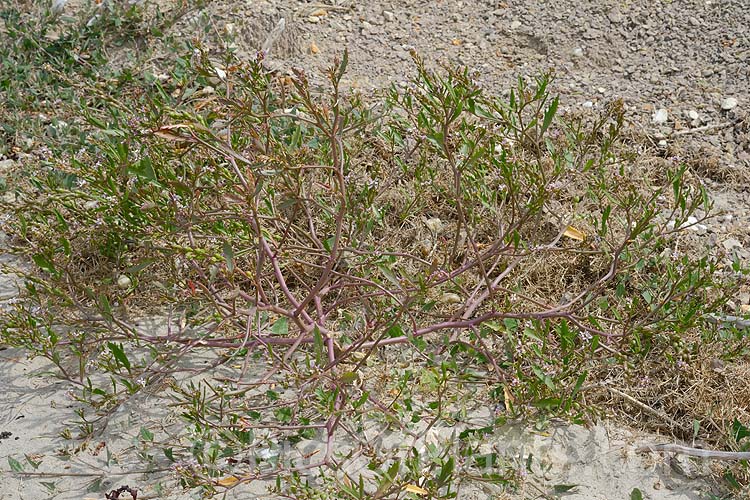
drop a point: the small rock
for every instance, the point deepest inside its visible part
(731, 244)
(577, 52)
(515, 25)
(435, 225)
(388, 15)
(314, 48)
(123, 282)
(614, 16)
(663, 143)
(692, 114)
(588, 104)
(313, 19)
(660, 116)
(450, 298)
(729, 103)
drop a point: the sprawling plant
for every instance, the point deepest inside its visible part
(337, 265)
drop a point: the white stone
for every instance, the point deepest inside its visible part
(124, 282)
(450, 298)
(730, 244)
(660, 116)
(729, 103)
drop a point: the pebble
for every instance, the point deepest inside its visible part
(435, 225)
(124, 282)
(577, 52)
(588, 104)
(663, 144)
(515, 25)
(690, 223)
(660, 116)
(730, 244)
(692, 114)
(729, 103)
(450, 298)
(614, 16)
(388, 15)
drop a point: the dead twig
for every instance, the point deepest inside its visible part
(705, 128)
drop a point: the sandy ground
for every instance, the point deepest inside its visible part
(37, 411)
(687, 58)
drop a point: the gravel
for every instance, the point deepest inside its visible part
(660, 58)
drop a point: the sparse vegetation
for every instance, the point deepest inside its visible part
(347, 265)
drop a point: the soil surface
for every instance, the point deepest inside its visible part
(682, 69)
